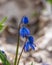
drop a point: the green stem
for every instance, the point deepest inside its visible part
(20, 56)
(16, 57)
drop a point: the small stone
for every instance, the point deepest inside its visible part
(12, 30)
(25, 55)
(21, 63)
(38, 59)
(49, 49)
(28, 63)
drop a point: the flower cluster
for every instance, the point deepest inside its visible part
(25, 32)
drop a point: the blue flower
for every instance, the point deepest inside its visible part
(31, 39)
(29, 46)
(26, 46)
(24, 20)
(24, 32)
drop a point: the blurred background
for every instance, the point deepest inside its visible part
(39, 13)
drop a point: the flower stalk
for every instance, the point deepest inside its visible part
(16, 57)
(20, 56)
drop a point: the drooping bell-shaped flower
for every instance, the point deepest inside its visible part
(31, 39)
(29, 46)
(24, 20)
(24, 32)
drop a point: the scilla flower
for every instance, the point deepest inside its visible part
(24, 20)
(31, 39)
(24, 32)
(29, 46)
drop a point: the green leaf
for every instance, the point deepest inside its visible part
(32, 63)
(3, 20)
(4, 59)
(1, 27)
(50, 1)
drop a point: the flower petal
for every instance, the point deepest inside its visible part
(25, 20)
(31, 39)
(32, 46)
(24, 32)
(26, 47)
